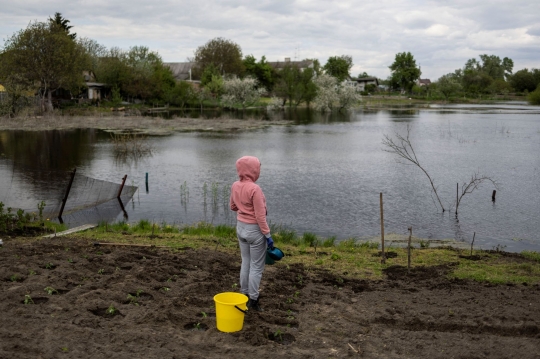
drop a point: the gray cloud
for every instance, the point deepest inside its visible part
(441, 34)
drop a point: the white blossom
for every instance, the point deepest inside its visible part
(241, 92)
(331, 95)
(275, 104)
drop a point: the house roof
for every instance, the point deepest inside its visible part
(180, 70)
(278, 65)
(424, 81)
(367, 79)
(95, 84)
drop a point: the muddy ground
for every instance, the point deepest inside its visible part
(160, 297)
(143, 124)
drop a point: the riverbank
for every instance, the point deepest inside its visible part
(128, 120)
(67, 296)
(140, 124)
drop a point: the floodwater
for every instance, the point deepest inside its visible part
(323, 175)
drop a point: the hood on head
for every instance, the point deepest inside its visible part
(248, 167)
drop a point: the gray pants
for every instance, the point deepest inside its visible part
(253, 249)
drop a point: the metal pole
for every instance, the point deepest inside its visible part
(67, 194)
(383, 260)
(122, 186)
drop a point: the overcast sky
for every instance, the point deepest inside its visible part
(441, 34)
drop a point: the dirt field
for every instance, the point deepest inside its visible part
(165, 308)
(143, 124)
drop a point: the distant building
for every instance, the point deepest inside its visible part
(361, 83)
(302, 65)
(181, 70)
(96, 90)
(424, 82)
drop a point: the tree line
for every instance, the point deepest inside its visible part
(48, 56)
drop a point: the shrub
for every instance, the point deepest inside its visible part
(329, 242)
(310, 239)
(285, 235)
(534, 97)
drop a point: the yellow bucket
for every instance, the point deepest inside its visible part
(230, 310)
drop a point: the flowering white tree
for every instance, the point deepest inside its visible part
(331, 95)
(348, 97)
(241, 92)
(275, 104)
(326, 92)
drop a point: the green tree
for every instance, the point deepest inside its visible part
(225, 54)
(180, 95)
(212, 80)
(295, 86)
(113, 69)
(60, 22)
(496, 68)
(448, 85)
(500, 87)
(46, 55)
(339, 67)
(209, 71)
(17, 91)
(404, 71)
(476, 81)
(262, 71)
(215, 86)
(525, 80)
(95, 52)
(138, 73)
(487, 75)
(534, 97)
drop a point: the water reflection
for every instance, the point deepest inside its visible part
(323, 175)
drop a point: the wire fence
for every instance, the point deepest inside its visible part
(73, 197)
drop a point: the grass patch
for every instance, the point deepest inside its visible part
(531, 255)
(358, 259)
(498, 273)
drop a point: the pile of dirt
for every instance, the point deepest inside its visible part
(84, 301)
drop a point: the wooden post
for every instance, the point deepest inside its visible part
(123, 210)
(67, 194)
(383, 260)
(493, 195)
(122, 186)
(409, 251)
(472, 243)
(457, 196)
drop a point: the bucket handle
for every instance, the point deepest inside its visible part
(243, 311)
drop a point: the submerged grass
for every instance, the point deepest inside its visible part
(358, 259)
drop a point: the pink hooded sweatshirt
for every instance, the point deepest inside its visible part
(247, 198)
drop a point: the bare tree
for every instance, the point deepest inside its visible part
(403, 148)
(469, 187)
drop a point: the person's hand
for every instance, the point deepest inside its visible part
(270, 242)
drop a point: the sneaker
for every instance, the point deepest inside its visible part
(254, 305)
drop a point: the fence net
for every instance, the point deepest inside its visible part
(89, 200)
